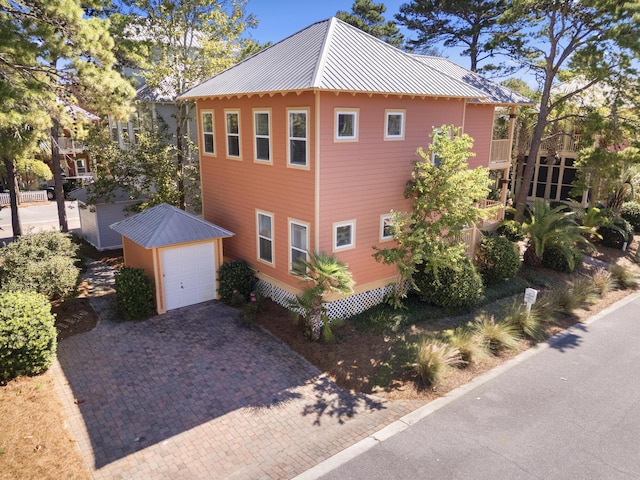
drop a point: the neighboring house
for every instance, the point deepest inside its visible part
(97, 217)
(308, 144)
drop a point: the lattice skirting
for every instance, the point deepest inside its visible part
(343, 308)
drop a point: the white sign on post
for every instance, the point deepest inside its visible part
(530, 296)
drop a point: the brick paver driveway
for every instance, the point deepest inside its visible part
(193, 394)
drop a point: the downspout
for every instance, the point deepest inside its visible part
(317, 172)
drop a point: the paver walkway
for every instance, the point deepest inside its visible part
(193, 394)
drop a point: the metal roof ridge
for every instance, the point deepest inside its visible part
(317, 75)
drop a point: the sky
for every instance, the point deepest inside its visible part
(279, 19)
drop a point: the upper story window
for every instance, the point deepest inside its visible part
(387, 230)
(233, 134)
(435, 159)
(344, 235)
(262, 131)
(394, 125)
(207, 133)
(298, 243)
(298, 144)
(265, 237)
(346, 124)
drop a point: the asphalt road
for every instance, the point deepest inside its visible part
(570, 411)
(36, 217)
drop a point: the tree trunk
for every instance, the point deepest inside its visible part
(181, 147)
(314, 322)
(10, 167)
(57, 175)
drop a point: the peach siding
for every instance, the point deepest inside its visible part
(479, 125)
(235, 189)
(359, 180)
(365, 179)
(137, 256)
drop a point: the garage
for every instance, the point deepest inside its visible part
(177, 250)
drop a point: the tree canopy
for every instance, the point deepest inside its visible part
(368, 17)
(558, 41)
(470, 24)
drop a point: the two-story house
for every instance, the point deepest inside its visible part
(308, 144)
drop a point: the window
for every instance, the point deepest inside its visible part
(299, 241)
(344, 235)
(233, 134)
(297, 138)
(265, 237)
(394, 125)
(435, 159)
(386, 228)
(262, 127)
(81, 167)
(346, 125)
(207, 132)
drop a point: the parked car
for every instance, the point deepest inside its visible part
(68, 184)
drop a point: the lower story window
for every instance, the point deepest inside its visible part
(299, 242)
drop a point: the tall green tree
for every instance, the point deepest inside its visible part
(368, 17)
(445, 195)
(53, 56)
(558, 40)
(470, 24)
(187, 42)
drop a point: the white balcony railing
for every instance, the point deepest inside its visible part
(69, 145)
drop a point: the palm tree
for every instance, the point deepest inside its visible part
(557, 227)
(325, 274)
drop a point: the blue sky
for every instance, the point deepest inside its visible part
(281, 18)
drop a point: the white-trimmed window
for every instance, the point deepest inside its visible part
(265, 237)
(233, 133)
(297, 121)
(346, 125)
(344, 235)
(394, 124)
(81, 166)
(207, 133)
(386, 227)
(435, 160)
(262, 132)
(298, 242)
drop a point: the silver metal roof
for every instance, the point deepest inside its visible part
(333, 55)
(165, 225)
(494, 93)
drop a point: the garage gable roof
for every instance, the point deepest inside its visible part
(165, 225)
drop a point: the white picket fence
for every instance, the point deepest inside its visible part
(25, 197)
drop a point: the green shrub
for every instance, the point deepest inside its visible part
(27, 334)
(433, 359)
(495, 336)
(631, 213)
(134, 292)
(555, 258)
(511, 229)
(616, 235)
(43, 262)
(236, 278)
(497, 258)
(452, 286)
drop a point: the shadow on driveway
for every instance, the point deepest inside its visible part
(138, 384)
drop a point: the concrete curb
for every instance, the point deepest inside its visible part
(410, 419)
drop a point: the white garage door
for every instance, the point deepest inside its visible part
(189, 275)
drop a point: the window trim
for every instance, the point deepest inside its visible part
(212, 133)
(436, 132)
(306, 165)
(266, 111)
(349, 246)
(383, 218)
(272, 263)
(336, 133)
(227, 112)
(388, 112)
(292, 222)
